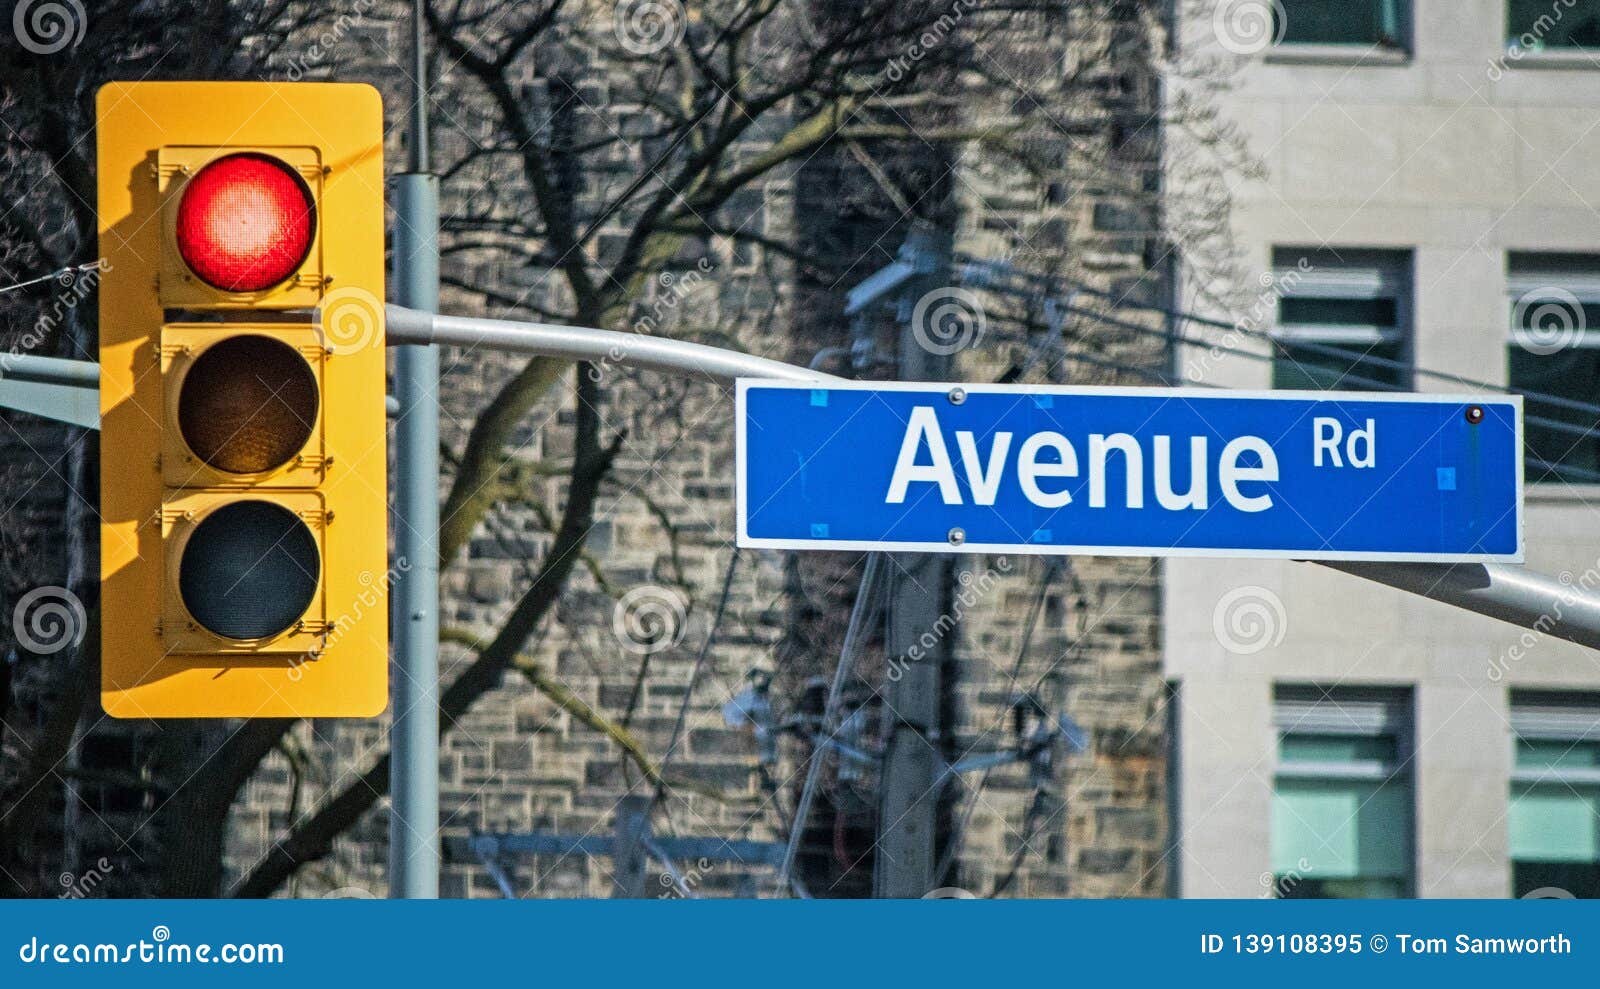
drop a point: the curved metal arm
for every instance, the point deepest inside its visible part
(1512, 594)
(583, 344)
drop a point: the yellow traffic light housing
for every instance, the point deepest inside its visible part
(244, 568)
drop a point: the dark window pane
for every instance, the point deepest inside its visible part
(1581, 879)
(1535, 25)
(1311, 367)
(1293, 888)
(1300, 747)
(1342, 22)
(1338, 312)
(1557, 754)
(1566, 440)
(1554, 316)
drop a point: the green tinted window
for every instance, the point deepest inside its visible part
(1342, 799)
(1563, 441)
(1557, 754)
(1554, 822)
(1338, 312)
(1369, 367)
(1336, 748)
(1535, 25)
(1343, 830)
(1342, 22)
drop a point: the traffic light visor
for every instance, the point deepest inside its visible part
(245, 222)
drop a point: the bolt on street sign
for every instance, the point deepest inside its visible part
(908, 466)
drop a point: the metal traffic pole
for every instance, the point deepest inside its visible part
(414, 767)
(919, 591)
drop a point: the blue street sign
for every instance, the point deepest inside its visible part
(1129, 471)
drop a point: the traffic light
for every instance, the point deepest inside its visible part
(244, 567)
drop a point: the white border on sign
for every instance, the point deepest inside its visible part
(743, 539)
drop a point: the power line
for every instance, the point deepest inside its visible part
(57, 275)
(988, 274)
(983, 272)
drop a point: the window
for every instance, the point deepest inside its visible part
(1342, 22)
(1343, 319)
(1536, 25)
(1342, 805)
(1554, 360)
(1554, 817)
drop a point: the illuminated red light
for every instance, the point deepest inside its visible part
(245, 223)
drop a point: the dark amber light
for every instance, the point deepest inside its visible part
(247, 404)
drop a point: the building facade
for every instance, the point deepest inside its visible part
(1425, 219)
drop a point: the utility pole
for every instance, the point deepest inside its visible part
(414, 769)
(919, 587)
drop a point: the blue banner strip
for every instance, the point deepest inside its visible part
(794, 943)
